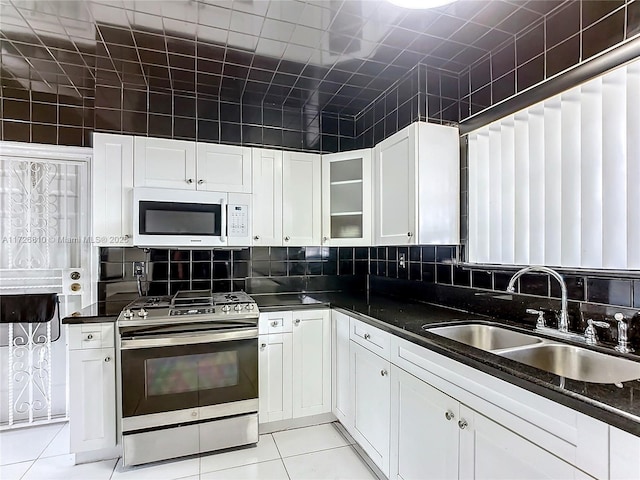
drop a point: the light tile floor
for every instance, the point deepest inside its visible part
(317, 452)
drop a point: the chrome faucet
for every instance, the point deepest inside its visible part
(563, 324)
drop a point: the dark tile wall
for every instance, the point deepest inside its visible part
(256, 269)
(568, 36)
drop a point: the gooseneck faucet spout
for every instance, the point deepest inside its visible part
(563, 325)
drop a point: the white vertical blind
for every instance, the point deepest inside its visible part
(558, 183)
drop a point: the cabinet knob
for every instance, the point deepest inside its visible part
(449, 415)
(189, 181)
(324, 239)
(383, 372)
(367, 336)
(257, 237)
(127, 236)
(409, 234)
(274, 323)
(263, 346)
(462, 424)
(90, 336)
(194, 414)
(200, 182)
(297, 322)
(107, 359)
(287, 238)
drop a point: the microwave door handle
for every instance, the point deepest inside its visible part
(223, 220)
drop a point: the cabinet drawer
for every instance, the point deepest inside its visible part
(91, 335)
(371, 338)
(275, 322)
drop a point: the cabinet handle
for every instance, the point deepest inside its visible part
(257, 237)
(274, 323)
(90, 336)
(409, 234)
(383, 372)
(189, 181)
(200, 182)
(297, 322)
(107, 359)
(462, 424)
(287, 238)
(449, 415)
(263, 346)
(367, 336)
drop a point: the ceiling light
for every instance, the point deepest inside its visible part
(420, 4)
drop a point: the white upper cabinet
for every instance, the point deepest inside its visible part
(301, 199)
(267, 196)
(223, 168)
(112, 185)
(165, 163)
(346, 198)
(417, 185)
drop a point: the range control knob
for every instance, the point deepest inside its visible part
(127, 313)
(226, 308)
(250, 306)
(142, 313)
(237, 307)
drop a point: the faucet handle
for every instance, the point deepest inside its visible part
(540, 323)
(590, 336)
(623, 343)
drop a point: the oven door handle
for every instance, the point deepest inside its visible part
(186, 339)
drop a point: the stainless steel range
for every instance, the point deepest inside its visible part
(189, 374)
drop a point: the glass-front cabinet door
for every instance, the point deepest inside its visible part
(346, 198)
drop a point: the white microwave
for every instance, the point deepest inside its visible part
(185, 218)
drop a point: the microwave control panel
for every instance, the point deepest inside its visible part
(238, 220)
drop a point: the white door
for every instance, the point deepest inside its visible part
(225, 168)
(267, 197)
(164, 163)
(347, 198)
(92, 399)
(311, 362)
(276, 376)
(111, 189)
(301, 199)
(395, 188)
(340, 357)
(424, 430)
(489, 451)
(371, 404)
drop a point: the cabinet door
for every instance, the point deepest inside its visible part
(92, 399)
(267, 197)
(165, 163)
(346, 198)
(625, 455)
(276, 376)
(371, 404)
(424, 430)
(492, 452)
(223, 168)
(301, 199)
(395, 188)
(311, 362)
(340, 357)
(112, 186)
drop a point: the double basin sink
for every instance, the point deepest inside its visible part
(565, 360)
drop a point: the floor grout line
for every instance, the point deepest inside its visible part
(281, 457)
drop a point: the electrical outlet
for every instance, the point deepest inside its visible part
(138, 269)
(402, 261)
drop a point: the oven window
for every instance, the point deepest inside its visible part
(174, 218)
(166, 378)
(190, 373)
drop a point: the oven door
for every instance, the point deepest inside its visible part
(188, 377)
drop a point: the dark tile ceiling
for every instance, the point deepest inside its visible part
(338, 55)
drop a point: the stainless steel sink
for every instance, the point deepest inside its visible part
(576, 363)
(485, 337)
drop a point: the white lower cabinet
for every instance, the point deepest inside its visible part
(624, 457)
(276, 377)
(92, 387)
(294, 364)
(371, 409)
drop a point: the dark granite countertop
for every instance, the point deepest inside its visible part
(99, 312)
(617, 405)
